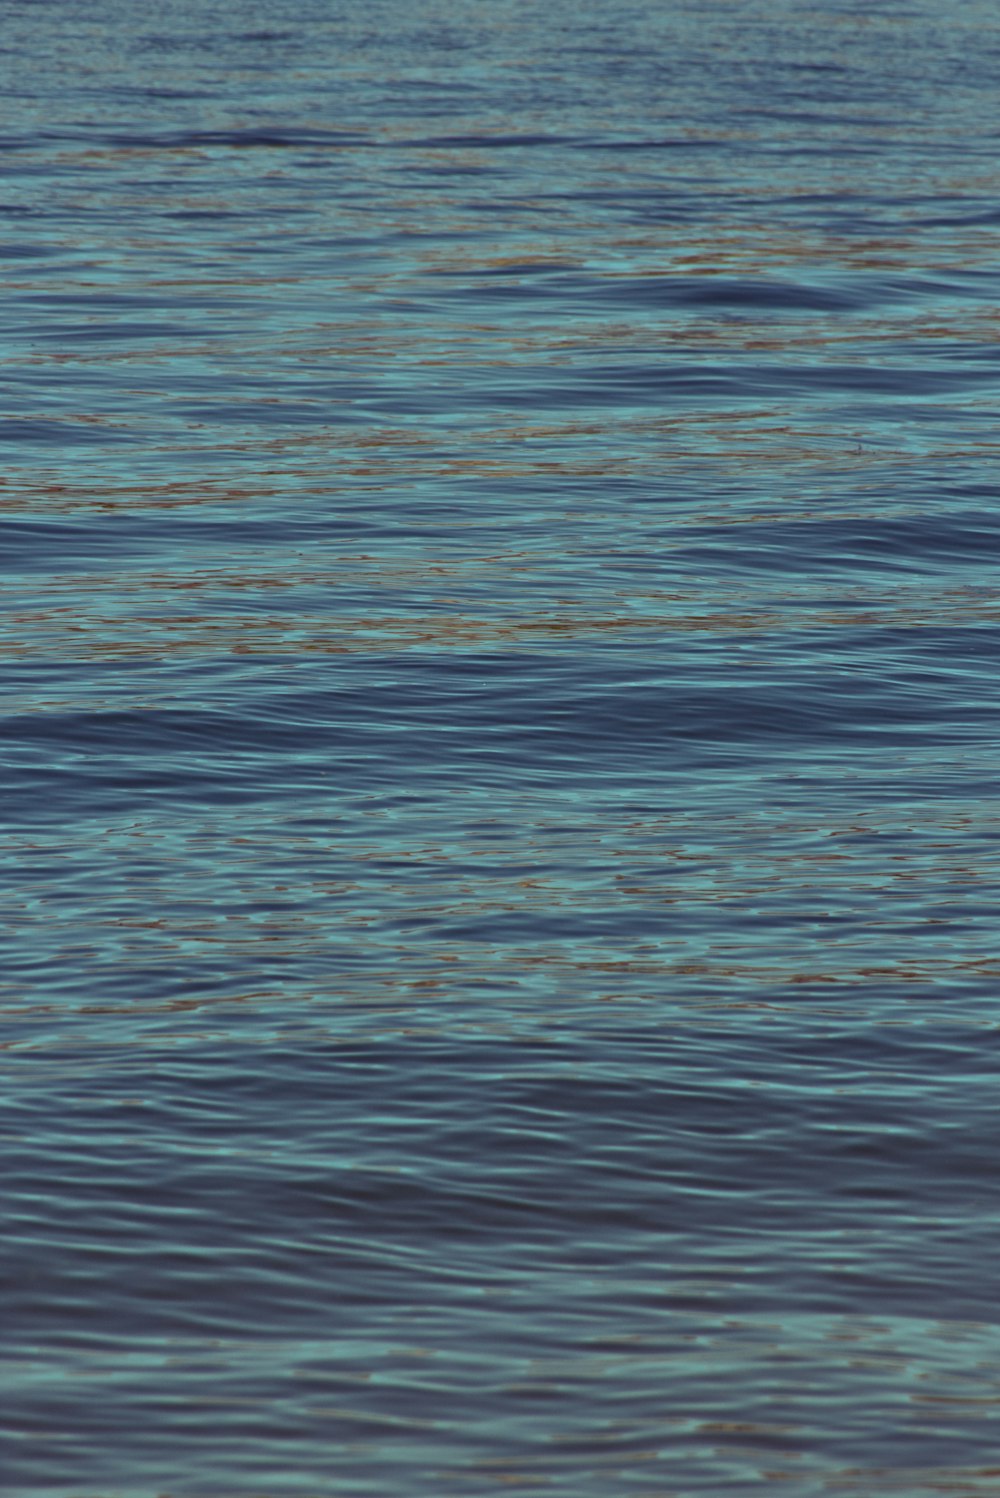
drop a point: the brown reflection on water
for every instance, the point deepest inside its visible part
(144, 623)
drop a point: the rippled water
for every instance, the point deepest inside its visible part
(499, 522)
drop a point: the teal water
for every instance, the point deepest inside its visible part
(498, 518)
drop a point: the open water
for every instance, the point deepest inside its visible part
(500, 522)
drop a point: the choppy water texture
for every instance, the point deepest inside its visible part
(500, 528)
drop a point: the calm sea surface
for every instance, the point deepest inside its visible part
(500, 525)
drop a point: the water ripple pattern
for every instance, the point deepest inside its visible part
(499, 526)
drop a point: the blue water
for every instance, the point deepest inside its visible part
(499, 522)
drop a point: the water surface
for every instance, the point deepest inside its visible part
(499, 516)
